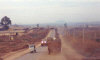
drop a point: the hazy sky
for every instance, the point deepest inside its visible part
(48, 11)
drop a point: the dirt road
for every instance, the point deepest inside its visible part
(67, 53)
(42, 53)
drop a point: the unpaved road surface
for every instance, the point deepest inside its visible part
(67, 53)
(34, 56)
(42, 53)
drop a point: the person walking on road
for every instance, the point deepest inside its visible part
(34, 49)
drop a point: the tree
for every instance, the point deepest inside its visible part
(5, 22)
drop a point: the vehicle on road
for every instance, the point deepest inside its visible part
(43, 43)
(52, 28)
(32, 48)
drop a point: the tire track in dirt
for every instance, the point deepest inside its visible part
(68, 52)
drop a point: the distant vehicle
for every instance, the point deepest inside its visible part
(43, 43)
(32, 48)
(52, 28)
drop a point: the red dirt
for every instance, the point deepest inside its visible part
(89, 45)
(20, 42)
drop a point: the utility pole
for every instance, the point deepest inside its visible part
(74, 34)
(83, 35)
(66, 30)
(65, 25)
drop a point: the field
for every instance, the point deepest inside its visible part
(20, 42)
(85, 40)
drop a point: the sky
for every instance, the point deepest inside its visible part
(50, 11)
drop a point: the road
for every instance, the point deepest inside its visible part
(42, 53)
(67, 53)
(17, 54)
(34, 56)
